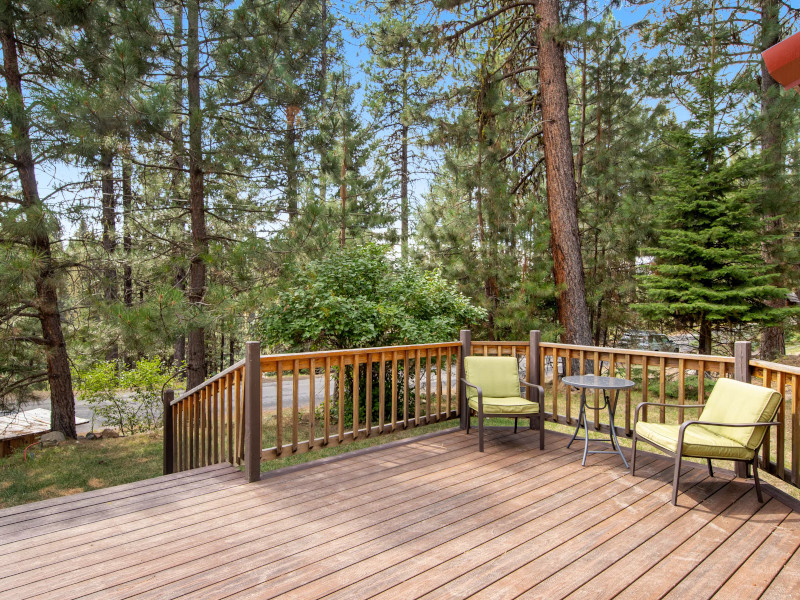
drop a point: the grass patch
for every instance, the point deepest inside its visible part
(76, 467)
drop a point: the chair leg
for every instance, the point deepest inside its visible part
(469, 418)
(515, 424)
(633, 455)
(480, 433)
(710, 468)
(755, 478)
(675, 479)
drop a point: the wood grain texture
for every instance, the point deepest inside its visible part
(428, 518)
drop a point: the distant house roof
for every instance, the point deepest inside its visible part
(783, 61)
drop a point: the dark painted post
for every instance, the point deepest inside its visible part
(742, 353)
(169, 433)
(534, 362)
(466, 349)
(252, 411)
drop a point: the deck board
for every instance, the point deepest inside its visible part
(429, 518)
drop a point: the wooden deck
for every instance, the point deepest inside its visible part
(430, 518)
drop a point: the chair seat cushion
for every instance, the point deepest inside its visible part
(698, 441)
(505, 406)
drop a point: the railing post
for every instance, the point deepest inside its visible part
(252, 411)
(466, 344)
(534, 364)
(169, 433)
(742, 352)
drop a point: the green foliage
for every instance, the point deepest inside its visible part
(357, 297)
(708, 270)
(129, 400)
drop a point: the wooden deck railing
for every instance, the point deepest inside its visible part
(324, 399)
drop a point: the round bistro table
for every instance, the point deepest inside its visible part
(607, 384)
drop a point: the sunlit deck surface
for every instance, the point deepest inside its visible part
(431, 518)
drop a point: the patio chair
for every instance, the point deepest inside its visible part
(732, 426)
(493, 390)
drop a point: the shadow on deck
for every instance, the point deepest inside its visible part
(428, 518)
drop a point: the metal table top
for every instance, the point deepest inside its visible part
(597, 382)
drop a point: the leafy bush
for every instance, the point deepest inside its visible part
(358, 297)
(129, 401)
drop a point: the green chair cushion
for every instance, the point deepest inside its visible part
(505, 406)
(497, 376)
(698, 441)
(734, 401)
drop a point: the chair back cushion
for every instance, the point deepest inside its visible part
(734, 401)
(497, 376)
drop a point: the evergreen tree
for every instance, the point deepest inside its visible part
(707, 270)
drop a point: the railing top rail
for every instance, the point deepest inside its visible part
(633, 352)
(207, 382)
(497, 343)
(762, 364)
(268, 358)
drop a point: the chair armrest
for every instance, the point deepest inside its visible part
(687, 424)
(480, 391)
(537, 387)
(641, 404)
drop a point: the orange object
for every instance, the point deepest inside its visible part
(783, 61)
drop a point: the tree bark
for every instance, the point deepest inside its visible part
(178, 164)
(109, 222)
(343, 189)
(291, 161)
(560, 171)
(773, 343)
(196, 360)
(62, 417)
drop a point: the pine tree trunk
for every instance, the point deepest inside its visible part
(62, 417)
(127, 240)
(773, 343)
(560, 171)
(291, 161)
(109, 223)
(196, 360)
(404, 194)
(178, 165)
(343, 189)
(705, 338)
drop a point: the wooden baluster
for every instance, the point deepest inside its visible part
(681, 387)
(190, 437)
(662, 389)
(628, 370)
(418, 388)
(555, 384)
(229, 398)
(448, 361)
(780, 442)
(279, 408)
(356, 397)
(342, 380)
(382, 394)
(327, 401)
(766, 446)
(701, 382)
(368, 424)
(438, 384)
(612, 361)
(312, 403)
(645, 382)
(394, 391)
(237, 386)
(795, 433)
(204, 427)
(485, 350)
(295, 404)
(428, 399)
(596, 393)
(567, 388)
(542, 351)
(405, 390)
(215, 397)
(499, 350)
